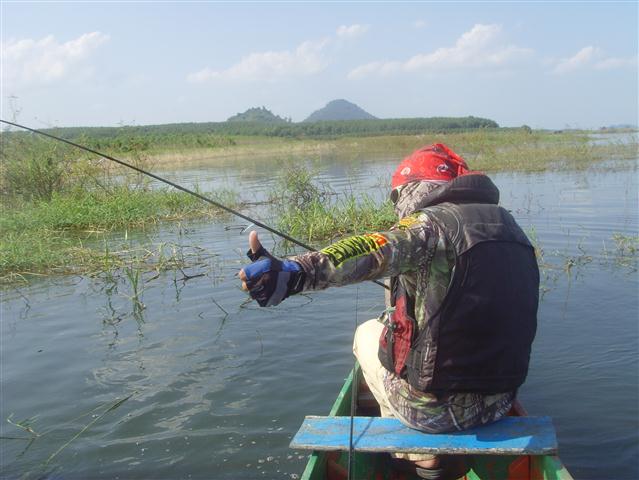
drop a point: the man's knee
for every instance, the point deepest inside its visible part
(367, 337)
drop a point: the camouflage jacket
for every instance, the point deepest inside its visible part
(417, 251)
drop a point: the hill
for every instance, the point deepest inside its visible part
(257, 114)
(339, 110)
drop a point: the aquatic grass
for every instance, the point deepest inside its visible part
(34, 251)
(626, 251)
(46, 237)
(622, 256)
(115, 405)
(627, 245)
(99, 211)
(298, 187)
(490, 150)
(320, 221)
(310, 210)
(27, 426)
(32, 167)
(132, 272)
(56, 202)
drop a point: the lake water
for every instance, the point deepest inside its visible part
(218, 386)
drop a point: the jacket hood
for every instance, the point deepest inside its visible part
(469, 188)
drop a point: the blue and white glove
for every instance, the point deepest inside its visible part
(268, 279)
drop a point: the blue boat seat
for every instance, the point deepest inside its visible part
(508, 436)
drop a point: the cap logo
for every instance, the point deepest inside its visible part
(405, 171)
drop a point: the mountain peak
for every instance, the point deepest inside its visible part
(339, 109)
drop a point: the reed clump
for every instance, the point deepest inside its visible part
(312, 212)
(319, 221)
(626, 251)
(33, 169)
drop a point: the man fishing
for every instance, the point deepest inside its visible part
(453, 346)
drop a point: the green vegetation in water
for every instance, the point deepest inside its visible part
(45, 237)
(320, 221)
(626, 250)
(30, 435)
(57, 198)
(63, 202)
(627, 245)
(311, 212)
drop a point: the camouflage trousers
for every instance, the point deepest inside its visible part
(421, 411)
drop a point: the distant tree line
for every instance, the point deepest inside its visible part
(220, 134)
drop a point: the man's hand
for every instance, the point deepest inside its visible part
(268, 279)
(254, 247)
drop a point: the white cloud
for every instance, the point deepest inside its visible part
(30, 61)
(380, 68)
(351, 31)
(419, 24)
(583, 57)
(592, 57)
(477, 48)
(610, 63)
(306, 59)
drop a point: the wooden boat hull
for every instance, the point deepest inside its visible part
(374, 466)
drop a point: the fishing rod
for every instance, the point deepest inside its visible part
(174, 185)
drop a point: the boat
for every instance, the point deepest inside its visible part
(333, 465)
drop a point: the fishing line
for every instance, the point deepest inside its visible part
(176, 186)
(168, 182)
(354, 384)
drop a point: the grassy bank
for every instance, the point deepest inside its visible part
(46, 236)
(57, 202)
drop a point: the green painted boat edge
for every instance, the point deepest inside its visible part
(552, 465)
(545, 467)
(316, 466)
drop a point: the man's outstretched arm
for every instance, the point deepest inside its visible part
(354, 259)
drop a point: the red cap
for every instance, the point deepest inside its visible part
(435, 162)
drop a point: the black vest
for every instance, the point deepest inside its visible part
(479, 340)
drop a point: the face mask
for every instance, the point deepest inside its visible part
(412, 196)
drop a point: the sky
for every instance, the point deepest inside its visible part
(542, 64)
